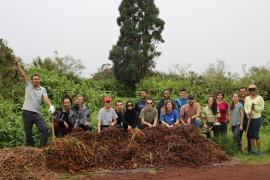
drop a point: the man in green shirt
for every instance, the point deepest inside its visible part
(149, 115)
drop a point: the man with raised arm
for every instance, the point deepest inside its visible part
(34, 93)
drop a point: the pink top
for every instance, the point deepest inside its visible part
(223, 109)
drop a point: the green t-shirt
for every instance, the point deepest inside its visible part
(149, 116)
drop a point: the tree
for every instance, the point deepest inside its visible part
(134, 54)
(67, 65)
(8, 72)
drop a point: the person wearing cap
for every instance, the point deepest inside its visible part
(34, 93)
(182, 100)
(190, 112)
(254, 106)
(106, 116)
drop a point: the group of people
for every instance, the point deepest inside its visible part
(243, 114)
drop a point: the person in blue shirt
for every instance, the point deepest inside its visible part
(182, 100)
(170, 116)
(139, 105)
(166, 97)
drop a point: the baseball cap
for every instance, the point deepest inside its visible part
(252, 86)
(107, 99)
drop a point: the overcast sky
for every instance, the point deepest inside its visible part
(196, 31)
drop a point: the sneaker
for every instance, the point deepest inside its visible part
(251, 152)
(259, 153)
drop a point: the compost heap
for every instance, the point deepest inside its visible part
(113, 148)
(24, 163)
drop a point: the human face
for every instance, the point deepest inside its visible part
(182, 94)
(66, 104)
(130, 106)
(235, 98)
(149, 104)
(108, 104)
(169, 106)
(36, 81)
(243, 92)
(252, 91)
(143, 94)
(220, 97)
(119, 106)
(191, 101)
(166, 94)
(79, 101)
(210, 101)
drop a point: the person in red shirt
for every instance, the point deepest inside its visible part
(223, 107)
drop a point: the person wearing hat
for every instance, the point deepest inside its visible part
(106, 116)
(254, 106)
(190, 112)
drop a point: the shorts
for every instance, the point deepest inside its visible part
(255, 126)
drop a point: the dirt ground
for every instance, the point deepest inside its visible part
(228, 172)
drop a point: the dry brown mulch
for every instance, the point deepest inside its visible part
(113, 148)
(80, 151)
(24, 163)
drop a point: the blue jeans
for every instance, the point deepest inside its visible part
(236, 135)
(196, 122)
(29, 119)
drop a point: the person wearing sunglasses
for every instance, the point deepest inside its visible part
(130, 120)
(170, 117)
(149, 115)
(106, 115)
(254, 106)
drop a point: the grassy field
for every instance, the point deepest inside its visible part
(252, 159)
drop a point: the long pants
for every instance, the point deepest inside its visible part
(30, 118)
(236, 136)
(214, 129)
(222, 129)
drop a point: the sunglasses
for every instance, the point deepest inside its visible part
(149, 103)
(119, 104)
(252, 89)
(129, 105)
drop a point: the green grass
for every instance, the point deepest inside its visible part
(265, 148)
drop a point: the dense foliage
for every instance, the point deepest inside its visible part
(140, 31)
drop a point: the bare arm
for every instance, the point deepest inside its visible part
(164, 123)
(47, 101)
(155, 122)
(145, 123)
(241, 118)
(19, 67)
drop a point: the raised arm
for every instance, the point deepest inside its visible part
(21, 71)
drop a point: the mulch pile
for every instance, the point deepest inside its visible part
(183, 146)
(24, 163)
(115, 149)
